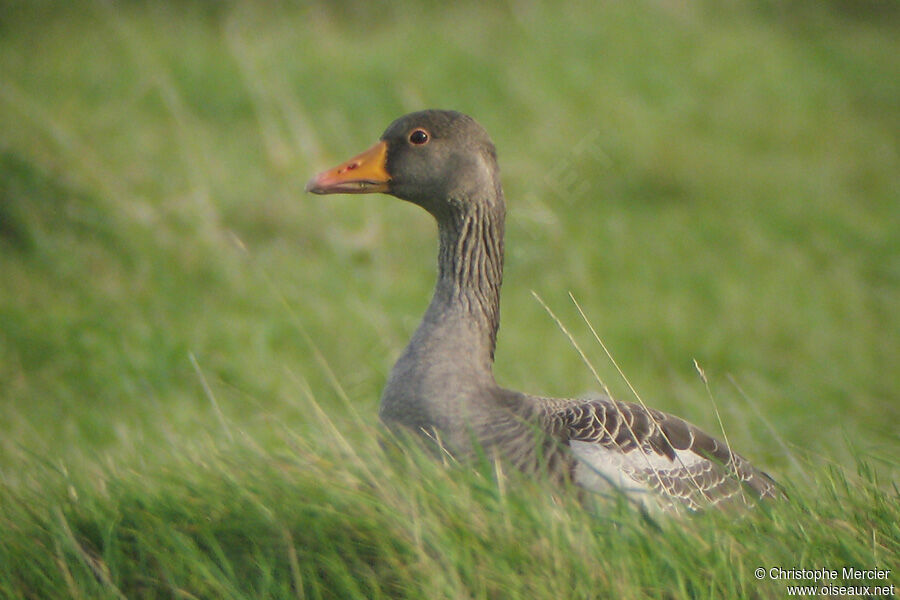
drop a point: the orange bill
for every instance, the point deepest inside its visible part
(362, 174)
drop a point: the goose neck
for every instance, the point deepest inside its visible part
(470, 267)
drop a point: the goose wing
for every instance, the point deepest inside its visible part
(653, 456)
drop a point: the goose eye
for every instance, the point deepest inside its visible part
(418, 137)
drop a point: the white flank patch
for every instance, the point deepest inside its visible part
(600, 469)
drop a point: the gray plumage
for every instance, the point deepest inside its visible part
(443, 384)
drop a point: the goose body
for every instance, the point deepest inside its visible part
(443, 386)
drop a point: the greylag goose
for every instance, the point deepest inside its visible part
(443, 386)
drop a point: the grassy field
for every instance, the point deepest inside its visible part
(192, 350)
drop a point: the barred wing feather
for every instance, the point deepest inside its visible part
(656, 458)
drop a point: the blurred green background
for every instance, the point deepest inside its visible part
(711, 181)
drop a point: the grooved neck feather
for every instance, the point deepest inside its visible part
(470, 266)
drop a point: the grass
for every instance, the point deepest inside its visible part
(183, 333)
(244, 521)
